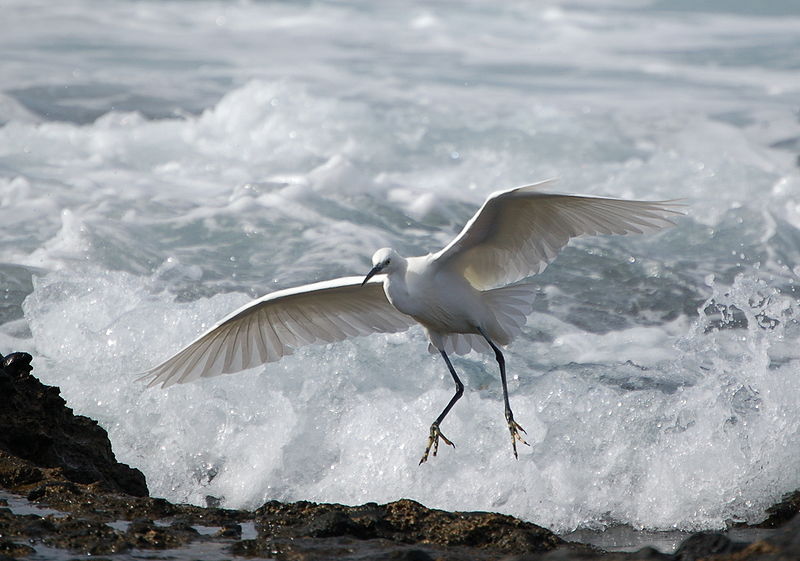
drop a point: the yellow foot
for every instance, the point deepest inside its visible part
(433, 440)
(514, 428)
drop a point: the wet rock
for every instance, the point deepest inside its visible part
(230, 531)
(787, 538)
(782, 512)
(95, 501)
(351, 549)
(145, 534)
(38, 427)
(578, 553)
(12, 549)
(783, 545)
(16, 472)
(650, 554)
(406, 521)
(94, 523)
(704, 544)
(80, 535)
(401, 522)
(16, 363)
(405, 555)
(55, 491)
(23, 526)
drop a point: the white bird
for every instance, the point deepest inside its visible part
(466, 296)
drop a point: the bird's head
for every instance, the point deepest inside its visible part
(385, 260)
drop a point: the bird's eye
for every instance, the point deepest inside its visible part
(388, 261)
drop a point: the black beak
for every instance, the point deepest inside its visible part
(375, 269)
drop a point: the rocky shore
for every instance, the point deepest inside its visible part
(93, 505)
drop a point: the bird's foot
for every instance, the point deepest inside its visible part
(433, 441)
(515, 429)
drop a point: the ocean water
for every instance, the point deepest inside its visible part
(162, 162)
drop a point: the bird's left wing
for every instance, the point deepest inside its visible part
(272, 326)
(516, 233)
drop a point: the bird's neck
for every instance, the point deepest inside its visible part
(397, 285)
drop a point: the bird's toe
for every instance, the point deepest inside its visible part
(433, 442)
(515, 428)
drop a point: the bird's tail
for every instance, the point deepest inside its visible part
(510, 305)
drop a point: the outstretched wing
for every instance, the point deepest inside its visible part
(272, 326)
(516, 233)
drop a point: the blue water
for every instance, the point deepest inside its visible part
(163, 162)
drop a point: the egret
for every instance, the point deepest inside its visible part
(467, 296)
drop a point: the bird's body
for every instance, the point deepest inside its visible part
(440, 300)
(466, 296)
(444, 303)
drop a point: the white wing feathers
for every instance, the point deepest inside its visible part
(516, 233)
(272, 326)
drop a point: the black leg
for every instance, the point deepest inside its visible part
(513, 426)
(436, 434)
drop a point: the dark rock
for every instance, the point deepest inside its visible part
(405, 555)
(85, 536)
(403, 522)
(95, 501)
(87, 530)
(248, 548)
(350, 549)
(783, 545)
(230, 531)
(40, 428)
(54, 488)
(783, 511)
(16, 472)
(787, 538)
(13, 549)
(145, 534)
(337, 522)
(16, 364)
(577, 552)
(704, 544)
(650, 554)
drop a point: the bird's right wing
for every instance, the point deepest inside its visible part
(517, 232)
(272, 326)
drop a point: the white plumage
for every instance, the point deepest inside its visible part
(274, 325)
(517, 233)
(464, 296)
